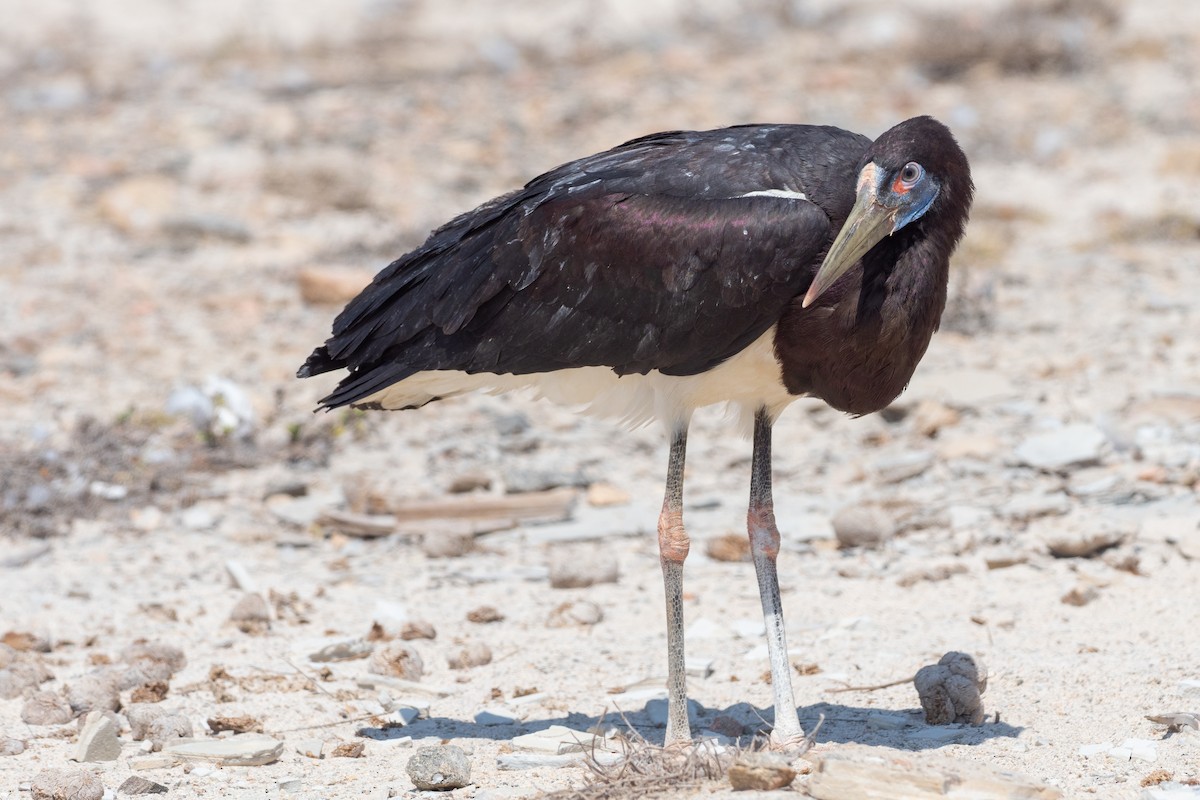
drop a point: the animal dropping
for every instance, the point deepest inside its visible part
(751, 265)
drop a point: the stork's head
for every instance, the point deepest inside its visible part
(913, 172)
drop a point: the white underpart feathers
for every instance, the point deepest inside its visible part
(746, 381)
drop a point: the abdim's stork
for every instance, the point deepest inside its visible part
(754, 265)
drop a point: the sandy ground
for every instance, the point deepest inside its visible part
(166, 178)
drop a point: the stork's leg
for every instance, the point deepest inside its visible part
(764, 546)
(672, 550)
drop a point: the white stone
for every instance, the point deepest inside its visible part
(98, 740)
(496, 716)
(698, 667)
(1063, 448)
(244, 750)
(1088, 750)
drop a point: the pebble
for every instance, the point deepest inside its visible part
(10, 746)
(472, 654)
(168, 728)
(1141, 749)
(889, 721)
(135, 784)
(328, 286)
(46, 708)
(582, 613)
(398, 659)
(551, 739)
(1170, 791)
(93, 692)
(496, 716)
(1089, 750)
(576, 567)
(520, 761)
(243, 750)
(343, 651)
(1080, 594)
(901, 467)
(140, 715)
(863, 526)
(311, 748)
(1064, 448)
(1071, 537)
(1030, 506)
(98, 740)
(67, 784)
(417, 629)
(172, 657)
(290, 784)
(440, 768)
(251, 614)
(761, 772)
(240, 576)
(698, 667)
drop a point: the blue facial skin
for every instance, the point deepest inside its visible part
(916, 201)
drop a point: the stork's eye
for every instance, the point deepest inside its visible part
(910, 174)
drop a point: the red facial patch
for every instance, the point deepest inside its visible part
(898, 186)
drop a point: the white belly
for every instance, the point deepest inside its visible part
(748, 381)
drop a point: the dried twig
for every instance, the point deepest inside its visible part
(873, 688)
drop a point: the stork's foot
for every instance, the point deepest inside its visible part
(795, 743)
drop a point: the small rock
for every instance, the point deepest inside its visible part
(496, 716)
(447, 544)
(934, 572)
(931, 416)
(730, 547)
(66, 784)
(576, 567)
(135, 784)
(93, 692)
(698, 667)
(397, 659)
(21, 676)
(761, 772)
(863, 526)
(1030, 506)
(240, 724)
(46, 708)
(603, 495)
(1176, 721)
(1068, 537)
(1089, 750)
(439, 768)
(950, 690)
(342, 651)
(98, 740)
(980, 448)
(888, 721)
(138, 205)
(334, 287)
(311, 748)
(1080, 594)
(349, 750)
(251, 614)
(153, 692)
(583, 613)
(1059, 450)
(417, 629)
(244, 750)
(484, 614)
(140, 715)
(157, 652)
(901, 467)
(167, 729)
(290, 784)
(472, 654)
(10, 746)
(469, 482)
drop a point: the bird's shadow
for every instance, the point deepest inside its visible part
(898, 728)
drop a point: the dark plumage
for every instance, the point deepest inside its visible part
(753, 264)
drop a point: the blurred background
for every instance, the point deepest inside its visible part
(191, 189)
